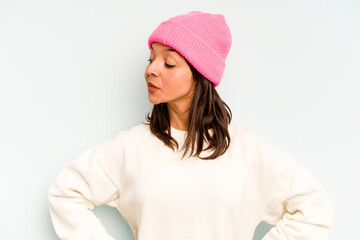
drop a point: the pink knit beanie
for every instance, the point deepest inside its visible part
(203, 39)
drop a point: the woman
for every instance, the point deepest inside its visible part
(189, 173)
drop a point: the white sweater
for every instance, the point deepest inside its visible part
(164, 197)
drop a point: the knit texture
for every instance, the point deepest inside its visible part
(203, 39)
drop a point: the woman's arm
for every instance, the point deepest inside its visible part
(293, 199)
(80, 186)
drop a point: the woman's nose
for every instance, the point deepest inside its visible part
(152, 69)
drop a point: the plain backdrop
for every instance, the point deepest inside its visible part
(72, 76)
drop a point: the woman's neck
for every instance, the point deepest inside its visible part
(178, 115)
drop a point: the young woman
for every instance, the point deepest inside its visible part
(189, 173)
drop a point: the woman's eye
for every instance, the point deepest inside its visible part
(167, 65)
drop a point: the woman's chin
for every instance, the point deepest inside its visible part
(154, 101)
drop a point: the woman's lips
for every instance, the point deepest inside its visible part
(152, 89)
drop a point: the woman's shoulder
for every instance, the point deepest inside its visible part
(248, 134)
(142, 132)
(134, 131)
(249, 137)
(125, 137)
(241, 131)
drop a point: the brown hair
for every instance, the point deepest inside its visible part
(207, 111)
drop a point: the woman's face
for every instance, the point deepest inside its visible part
(169, 72)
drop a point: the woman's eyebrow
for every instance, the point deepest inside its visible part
(168, 49)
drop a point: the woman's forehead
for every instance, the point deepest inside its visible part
(165, 48)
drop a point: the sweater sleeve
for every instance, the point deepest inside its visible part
(293, 200)
(81, 185)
